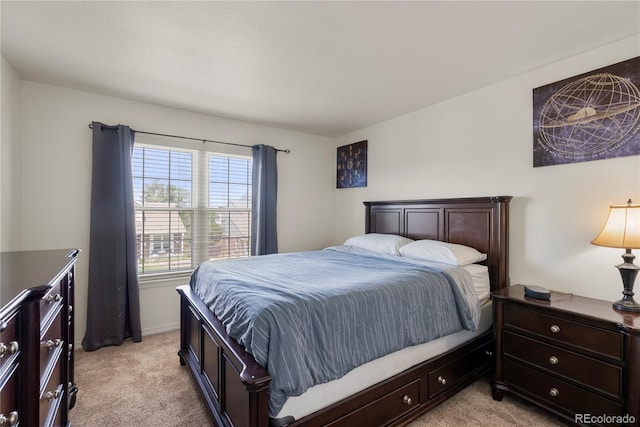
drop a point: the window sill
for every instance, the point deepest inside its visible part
(164, 279)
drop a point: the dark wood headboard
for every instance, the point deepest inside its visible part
(479, 222)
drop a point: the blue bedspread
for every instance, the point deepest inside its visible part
(311, 317)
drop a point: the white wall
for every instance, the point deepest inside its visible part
(10, 128)
(56, 179)
(480, 144)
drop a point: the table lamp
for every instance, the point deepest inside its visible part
(622, 230)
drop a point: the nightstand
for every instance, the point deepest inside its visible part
(576, 357)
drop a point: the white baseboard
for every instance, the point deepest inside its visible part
(160, 329)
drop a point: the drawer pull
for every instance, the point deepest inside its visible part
(12, 348)
(70, 309)
(406, 399)
(53, 343)
(53, 298)
(70, 347)
(555, 329)
(553, 360)
(488, 353)
(554, 392)
(11, 420)
(52, 395)
(442, 380)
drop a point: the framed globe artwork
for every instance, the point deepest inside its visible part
(591, 116)
(351, 168)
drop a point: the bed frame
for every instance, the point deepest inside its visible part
(236, 388)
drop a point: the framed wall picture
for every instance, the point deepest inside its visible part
(351, 168)
(592, 116)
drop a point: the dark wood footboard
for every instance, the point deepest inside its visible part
(234, 386)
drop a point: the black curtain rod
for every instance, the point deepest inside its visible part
(286, 151)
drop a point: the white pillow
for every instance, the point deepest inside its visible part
(447, 253)
(376, 242)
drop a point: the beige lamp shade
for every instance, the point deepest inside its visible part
(622, 229)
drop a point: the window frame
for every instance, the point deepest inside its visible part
(199, 206)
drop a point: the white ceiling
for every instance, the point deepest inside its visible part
(325, 68)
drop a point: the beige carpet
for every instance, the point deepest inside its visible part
(143, 385)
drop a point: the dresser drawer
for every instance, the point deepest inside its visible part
(9, 342)
(557, 393)
(564, 331)
(604, 377)
(9, 393)
(50, 342)
(51, 370)
(52, 394)
(51, 301)
(389, 406)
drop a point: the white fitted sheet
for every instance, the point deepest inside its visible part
(365, 376)
(481, 281)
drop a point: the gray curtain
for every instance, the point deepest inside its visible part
(264, 233)
(113, 310)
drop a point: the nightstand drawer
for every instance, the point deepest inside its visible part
(604, 377)
(557, 393)
(564, 331)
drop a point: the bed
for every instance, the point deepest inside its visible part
(389, 390)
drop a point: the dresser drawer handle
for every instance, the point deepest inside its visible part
(53, 298)
(553, 360)
(9, 421)
(554, 392)
(53, 343)
(555, 329)
(407, 400)
(488, 353)
(51, 395)
(442, 381)
(12, 348)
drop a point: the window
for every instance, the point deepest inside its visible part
(191, 206)
(230, 207)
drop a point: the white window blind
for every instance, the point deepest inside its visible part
(230, 207)
(191, 206)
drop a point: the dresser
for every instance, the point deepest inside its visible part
(37, 386)
(576, 357)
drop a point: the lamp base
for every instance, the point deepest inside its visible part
(627, 304)
(628, 272)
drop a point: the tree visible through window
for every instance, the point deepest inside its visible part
(189, 210)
